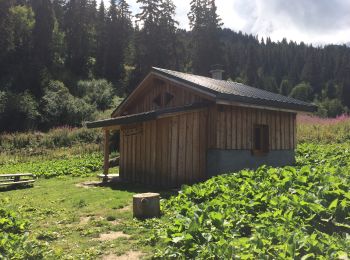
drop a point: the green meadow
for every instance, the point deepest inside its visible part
(294, 212)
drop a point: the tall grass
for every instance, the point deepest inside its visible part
(62, 143)
(323, 130)
(310, 129)
(55, 138)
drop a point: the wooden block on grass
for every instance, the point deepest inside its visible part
(146, 205)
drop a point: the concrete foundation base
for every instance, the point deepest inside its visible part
(226, 161)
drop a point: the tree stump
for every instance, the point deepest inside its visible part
(146, 205)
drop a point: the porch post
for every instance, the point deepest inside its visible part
(106, 156)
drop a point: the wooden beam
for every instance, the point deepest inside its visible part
(106, 156)
(112, 128)
(181, 113)
(263, 107)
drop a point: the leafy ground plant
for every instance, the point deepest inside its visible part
(14, 240)
(73, 165)
(300, 212)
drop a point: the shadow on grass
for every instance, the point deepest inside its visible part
(136, 188)
(13, 187)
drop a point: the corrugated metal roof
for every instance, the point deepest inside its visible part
(233, 91)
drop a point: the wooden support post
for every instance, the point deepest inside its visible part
(106, 156)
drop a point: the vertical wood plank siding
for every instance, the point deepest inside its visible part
(235, 128)
(145, 101)
(166, 152)
(172, 151)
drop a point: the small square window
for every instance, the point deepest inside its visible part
(261, 140)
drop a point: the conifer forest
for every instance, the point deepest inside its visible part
(64, 61)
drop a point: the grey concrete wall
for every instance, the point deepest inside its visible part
(226, 161)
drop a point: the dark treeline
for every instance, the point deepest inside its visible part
(63, 61)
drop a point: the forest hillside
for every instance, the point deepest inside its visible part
(64, 62)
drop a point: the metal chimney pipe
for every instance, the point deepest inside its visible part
(217, 71)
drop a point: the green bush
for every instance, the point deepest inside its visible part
(18, 111)
(285, 87)
(331, 108)
(58, 107)
(96, 92)
(61, 108)
(302, 91)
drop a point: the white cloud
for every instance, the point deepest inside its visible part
(311, 21)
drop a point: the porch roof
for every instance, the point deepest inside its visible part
(145, 116)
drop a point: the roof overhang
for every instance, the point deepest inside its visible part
(263, 104)
(146, 116)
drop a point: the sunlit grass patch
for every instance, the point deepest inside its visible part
(71, 218)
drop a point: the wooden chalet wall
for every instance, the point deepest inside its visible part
(231, 127)
(172, 150)
(165, 152)
(143, 101)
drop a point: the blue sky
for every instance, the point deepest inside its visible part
(311, 21)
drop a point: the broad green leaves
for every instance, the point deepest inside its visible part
(14, 242)
(300, 212)
(74, 166)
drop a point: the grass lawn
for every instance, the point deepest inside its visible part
(77, 221)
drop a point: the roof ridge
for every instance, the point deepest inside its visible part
(191, 74)
(236, 90)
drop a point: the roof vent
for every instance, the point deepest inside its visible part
(217, 71)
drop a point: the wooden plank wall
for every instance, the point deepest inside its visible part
(171, 151)
(232, 127)
(144, 102)
(165, 152)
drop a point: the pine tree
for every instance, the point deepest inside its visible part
(148, 36)
(42, 54)
(125, 23)
(5, 27)
(79, 30)
(6, 32)
(101, 37)
(168, 27)
(18, 63)
(118, 27)
(205, 25)
(156, 39)
(58, 7)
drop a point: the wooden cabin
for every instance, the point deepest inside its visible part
(178, 128)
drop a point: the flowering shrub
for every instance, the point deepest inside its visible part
(323, 130)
